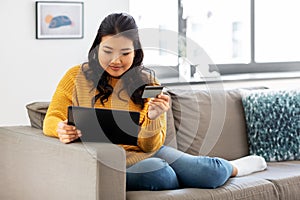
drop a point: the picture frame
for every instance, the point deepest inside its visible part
(59, 20)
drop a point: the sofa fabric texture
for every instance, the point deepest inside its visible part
(34, 162)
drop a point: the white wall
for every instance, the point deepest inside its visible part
(31, 68)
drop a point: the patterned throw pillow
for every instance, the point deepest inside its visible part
(273, 123)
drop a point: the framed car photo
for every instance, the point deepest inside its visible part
(59, 20)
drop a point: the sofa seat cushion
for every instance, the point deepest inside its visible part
(285, 175)
(236, 188)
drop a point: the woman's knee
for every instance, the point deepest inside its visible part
(151, 174)
(203, 172)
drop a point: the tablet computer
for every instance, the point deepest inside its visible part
(105, 125)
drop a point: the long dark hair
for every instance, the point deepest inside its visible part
(135, 79)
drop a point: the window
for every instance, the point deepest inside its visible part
(239, 36)
(277, 35)
(221, 28)
(156, 23)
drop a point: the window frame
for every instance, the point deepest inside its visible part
(236, 68)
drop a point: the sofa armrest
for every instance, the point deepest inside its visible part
(34, 166)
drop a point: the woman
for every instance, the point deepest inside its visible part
(114, 77)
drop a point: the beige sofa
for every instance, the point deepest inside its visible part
(34, 166)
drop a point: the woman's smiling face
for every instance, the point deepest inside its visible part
(116, 54)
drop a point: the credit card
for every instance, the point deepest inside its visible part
(152, 91)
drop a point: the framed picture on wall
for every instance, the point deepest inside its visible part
(59, 20)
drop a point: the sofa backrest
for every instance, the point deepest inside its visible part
(208, 123)
(199, 122)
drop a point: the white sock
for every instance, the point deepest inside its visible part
(249, 164)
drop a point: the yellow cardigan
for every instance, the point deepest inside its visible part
(74, 89)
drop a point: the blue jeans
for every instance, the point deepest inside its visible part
(173, 169)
